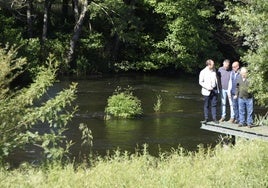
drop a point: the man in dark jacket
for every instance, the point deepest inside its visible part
(235, 74)
(245, 99)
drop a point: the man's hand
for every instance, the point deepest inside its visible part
(210, 88)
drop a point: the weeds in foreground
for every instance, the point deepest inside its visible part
(243, 165)
(261, 120)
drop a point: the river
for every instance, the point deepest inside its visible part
(177, 124)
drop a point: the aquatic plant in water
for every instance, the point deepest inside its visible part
(123, 104)
(158, 104)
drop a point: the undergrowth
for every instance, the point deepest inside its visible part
(242, 165)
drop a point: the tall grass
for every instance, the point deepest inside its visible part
(244, 165)
(261, 120)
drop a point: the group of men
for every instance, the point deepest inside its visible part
(232, 85)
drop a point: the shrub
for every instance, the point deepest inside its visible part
(123, 104)
(23, 108)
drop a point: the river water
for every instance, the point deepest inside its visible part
(177, 124)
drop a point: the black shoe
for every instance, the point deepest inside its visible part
(204, 121)
(250, 126)
(241, 125)
(215, 122)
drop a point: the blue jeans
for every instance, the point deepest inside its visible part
(224, 96)
(245, 107)
(210, 100)
(235, 107)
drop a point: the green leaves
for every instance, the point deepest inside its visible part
(251, 19)
(188, 33)
(23, 109)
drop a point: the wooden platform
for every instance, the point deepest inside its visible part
(256, 132)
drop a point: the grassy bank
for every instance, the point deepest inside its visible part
(244, 165)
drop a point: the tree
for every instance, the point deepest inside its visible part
(29, 18)
(22, 109)
(76, 34)
(189, 34)
(251, 20)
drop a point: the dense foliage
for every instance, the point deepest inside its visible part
(251, 19)
(25, 108)
(112, 35)
(188, 34)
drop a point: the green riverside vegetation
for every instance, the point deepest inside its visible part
(239, 166)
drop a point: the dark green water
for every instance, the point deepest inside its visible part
(178, 123)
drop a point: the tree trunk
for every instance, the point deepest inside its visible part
(76, 11)
(65, 10)
(29, 18)
(47, 7)
(76, 35)
(45, 20)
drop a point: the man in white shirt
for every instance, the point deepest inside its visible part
(209, 83)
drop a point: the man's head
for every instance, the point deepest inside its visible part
(235, 66)
(226, 63)
(244, 72)
(210, 64)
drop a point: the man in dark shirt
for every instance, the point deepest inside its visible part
(224, 75)
(245, 99)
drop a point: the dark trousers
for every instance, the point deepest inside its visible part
(210, 101)
(236, 108)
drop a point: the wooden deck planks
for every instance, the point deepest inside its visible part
(256, 132)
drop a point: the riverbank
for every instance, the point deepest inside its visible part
(244, 165)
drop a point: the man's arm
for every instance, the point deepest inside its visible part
(237, 88)
(229, 86)
(202, 81)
